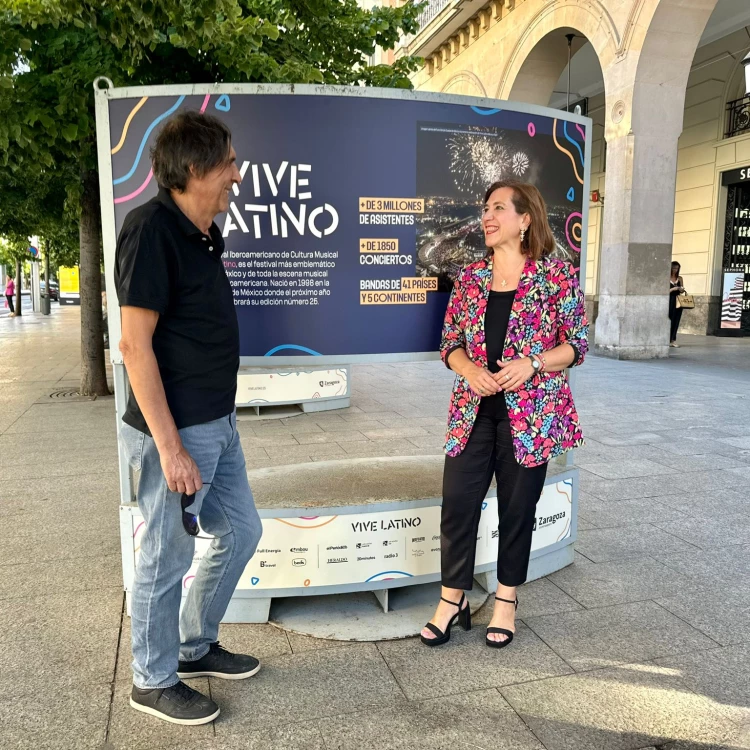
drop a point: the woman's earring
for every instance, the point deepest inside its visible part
(523, 234)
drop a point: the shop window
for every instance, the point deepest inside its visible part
(735, 291)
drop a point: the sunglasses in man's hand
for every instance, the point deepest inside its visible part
(189, 520)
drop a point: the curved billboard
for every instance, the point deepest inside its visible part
(357, 207)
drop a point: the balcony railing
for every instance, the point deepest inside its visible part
(433, 8)
(738, 117)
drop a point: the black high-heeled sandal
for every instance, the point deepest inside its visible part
(502, 631)
(464, 620)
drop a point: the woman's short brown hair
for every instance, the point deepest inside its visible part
(189, 143)
(527, 199)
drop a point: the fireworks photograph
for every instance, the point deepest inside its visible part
(455, 166)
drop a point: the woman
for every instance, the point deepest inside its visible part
(676, 286)
(10, 290)
(515, 321)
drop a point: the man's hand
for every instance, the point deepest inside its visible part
(180, 471)
(138, 325)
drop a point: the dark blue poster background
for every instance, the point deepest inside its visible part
(301, 295)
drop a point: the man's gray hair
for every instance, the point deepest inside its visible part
(189, 140)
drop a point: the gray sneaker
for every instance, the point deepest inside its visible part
(179, 704)
(219, 662)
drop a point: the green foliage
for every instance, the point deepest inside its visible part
(51, 51)
(37, 205)
(278, 41)
(60, 242)
(13, 249)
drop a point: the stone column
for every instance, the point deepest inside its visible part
(645, 106)
(637, 244)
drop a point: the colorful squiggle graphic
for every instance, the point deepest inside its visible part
(569, 498)
(137, 547)
(342, 375)
(571, 230)
(307, 525)
(144, 140)
(389, 575)
(298, 348)
(481, 111)
(127, 124)
(571, 140)
(565, 151)
(138, 191)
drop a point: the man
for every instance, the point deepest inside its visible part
(180, 346)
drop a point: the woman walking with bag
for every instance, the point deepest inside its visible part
(676, 287)
(515, 321)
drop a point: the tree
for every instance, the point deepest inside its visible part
(51, 51)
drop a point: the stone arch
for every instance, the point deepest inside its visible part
(542, 67)
(466, 83)
(667, 34)
(530, 67)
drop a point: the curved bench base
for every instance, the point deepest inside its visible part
(366, 525)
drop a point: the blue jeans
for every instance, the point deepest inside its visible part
(225, 507)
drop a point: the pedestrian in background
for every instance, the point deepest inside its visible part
(10, 290)
(105, 320)
(515, 321)
(676, 287)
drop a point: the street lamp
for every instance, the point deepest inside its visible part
(746, 63)
(570, 38)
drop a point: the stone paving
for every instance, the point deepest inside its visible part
(644, 642)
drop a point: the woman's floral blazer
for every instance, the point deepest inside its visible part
(548, 310)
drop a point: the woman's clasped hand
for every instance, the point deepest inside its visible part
(511, 377)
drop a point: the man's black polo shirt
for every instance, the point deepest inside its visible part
(165, 263)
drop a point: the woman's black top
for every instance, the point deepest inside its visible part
(496, 319)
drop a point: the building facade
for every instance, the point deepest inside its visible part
(665, 85)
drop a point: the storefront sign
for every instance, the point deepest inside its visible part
(736, 175)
